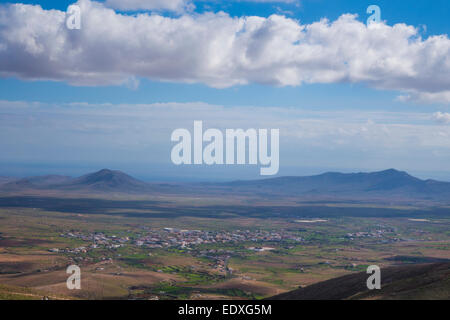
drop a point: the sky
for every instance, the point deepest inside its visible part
(346, 96)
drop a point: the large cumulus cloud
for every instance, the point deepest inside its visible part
(220, 51)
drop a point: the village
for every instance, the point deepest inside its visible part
(170, 237)
(173, 237)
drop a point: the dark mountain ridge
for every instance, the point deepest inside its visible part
(107, 180)
(419, 281)
(36, 182)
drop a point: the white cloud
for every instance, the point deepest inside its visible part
(219, 50)
(426, 97)
(442, 117)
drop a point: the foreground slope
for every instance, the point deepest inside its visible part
(425, 281)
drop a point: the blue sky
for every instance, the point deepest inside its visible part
(409, 106)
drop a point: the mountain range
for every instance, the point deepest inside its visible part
(377, 185)
(383, 185)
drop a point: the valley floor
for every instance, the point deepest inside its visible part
(136, 251)
(141, 256)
